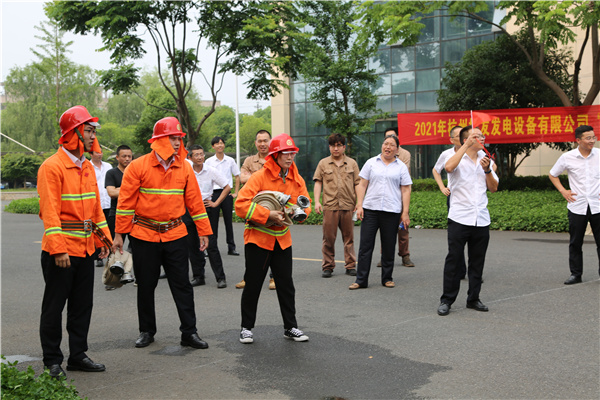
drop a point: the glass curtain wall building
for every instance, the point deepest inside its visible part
(408, 80)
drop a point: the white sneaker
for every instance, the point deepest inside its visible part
(295, 334)
(246, 336)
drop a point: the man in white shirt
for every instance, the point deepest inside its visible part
(101, 168)
(439, 165)
(583, 167)
(228, 168)
(468, 219)
(206, 176)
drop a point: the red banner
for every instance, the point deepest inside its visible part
(518, 125)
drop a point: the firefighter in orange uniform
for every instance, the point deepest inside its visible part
(270, 246)
(154, 194)
(74, 225)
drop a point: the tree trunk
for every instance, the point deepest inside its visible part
(595, 88)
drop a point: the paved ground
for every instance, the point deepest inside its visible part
(540, 339)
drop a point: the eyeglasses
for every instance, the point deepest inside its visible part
(589, 138)
(337, 145)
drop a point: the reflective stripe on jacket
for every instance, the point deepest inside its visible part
(161, 196)
(68, 193)
(268, 179)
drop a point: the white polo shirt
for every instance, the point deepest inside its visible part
(383, 192)
(584, 179)
(206, 178)
(468, 202)
(441, 162)
(227, 167)
(100, 175)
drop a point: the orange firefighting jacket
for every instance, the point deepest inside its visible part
(151, 192)
(268, 179)
(68, 193)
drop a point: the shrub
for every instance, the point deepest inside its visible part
(535, 211)
(530, 183)
(541, 211)
(24, 206)
(24, 385)
(526, 183)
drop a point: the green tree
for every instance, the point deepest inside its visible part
(161, 102)
(494, 75)
(249, 125)
(40, 92)
(336, 68)
(264, 114)
(549, 25)
(222, 123)
(72, 84)
(18, 167)
(246, 38)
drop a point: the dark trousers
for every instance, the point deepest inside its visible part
(332, 220)
(197, 257)
(387, 225)
(110, 220)
(462, 266)
(75, 285)
(258, 261)
(227, 207)
(577, 226)
(477, 238)
(173, 256)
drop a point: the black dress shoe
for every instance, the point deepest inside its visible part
(56, 371)
(85, 365)
(221, 284)
(573, 279)
(351, 272)
(144, 340)
(233, 253)
(194, 341)
(198, 282)
(477, 305)
(443, 309)
(327, 273)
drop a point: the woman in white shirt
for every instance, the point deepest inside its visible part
(383, 199)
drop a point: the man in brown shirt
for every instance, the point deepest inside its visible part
(337, 176)
(404, 156)
(254, 163)
(251, 165)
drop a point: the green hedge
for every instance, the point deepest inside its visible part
(24, 206)
(536, 211)
(527, 183)
(542, 211)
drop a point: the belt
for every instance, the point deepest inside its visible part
(155, 226)
(87, 226)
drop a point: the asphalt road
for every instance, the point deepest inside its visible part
(540, 340)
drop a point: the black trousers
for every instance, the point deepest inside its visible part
(387, 224)
(258, 261)
(110, 220)
(577, 226)
(227, 207)
(197, 257)
(74, 286)
(477, 238)
(173, 256)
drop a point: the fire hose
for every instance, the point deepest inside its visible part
(278, 201)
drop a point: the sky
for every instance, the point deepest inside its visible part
(19, 19)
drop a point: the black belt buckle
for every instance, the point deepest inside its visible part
(87, 225)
